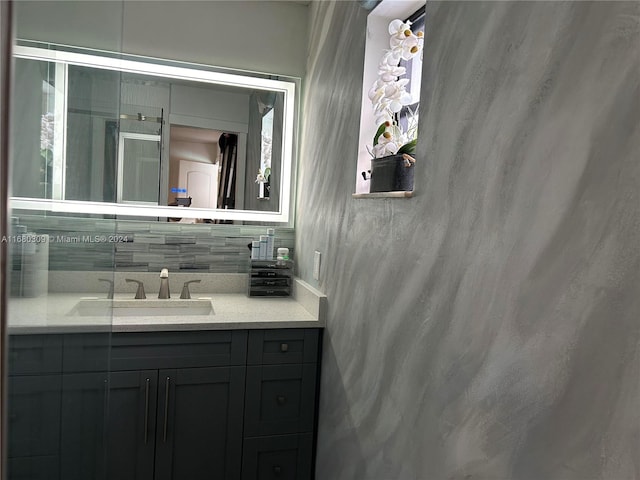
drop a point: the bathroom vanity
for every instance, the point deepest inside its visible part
(197, 397)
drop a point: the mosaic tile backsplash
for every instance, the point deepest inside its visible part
(94, 244)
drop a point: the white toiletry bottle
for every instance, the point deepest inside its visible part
(263, 247)
(283, 257)
(255, 250)
(271, 233)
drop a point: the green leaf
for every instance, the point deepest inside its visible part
(409, 147)
(380, 131)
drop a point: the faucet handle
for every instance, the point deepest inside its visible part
(110, 282)
(140, 291)
(185, 289)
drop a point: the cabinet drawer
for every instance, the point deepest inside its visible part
(35, 354)
(280, 399)
(270, 282)
(264, 291)
(86, 352)
(285, 457)
(152, 350)
(148, 350)
(291, 345)
(270, 272)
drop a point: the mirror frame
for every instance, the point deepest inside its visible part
(183, 71)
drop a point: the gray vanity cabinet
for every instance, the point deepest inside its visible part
(102, 432)
(82, 429)
(282, 457)
(199, 423)
(280, 404)
(165, 424)
(186, 421)
(33, 468)
(34, 425)
(196, 405)
(131, 426)
(34, 395)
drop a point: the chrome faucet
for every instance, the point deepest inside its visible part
(186, 294)
(140, 291)
(110, 282)
(164, 284)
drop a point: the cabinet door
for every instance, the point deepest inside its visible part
(82, 434)
(199, 423)
(104, 416)
(34, 415)
(131, 425)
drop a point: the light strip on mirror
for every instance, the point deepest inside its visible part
(168, 71)
(286, 186)
(139, 210)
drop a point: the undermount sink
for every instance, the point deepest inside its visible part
(142, 308)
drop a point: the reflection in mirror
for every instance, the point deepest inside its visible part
(194, 166)
(126, 134)
(138, 168)
(37, 133)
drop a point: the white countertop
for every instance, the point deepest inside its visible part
(53, 313)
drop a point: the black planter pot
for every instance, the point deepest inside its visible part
(391, 174)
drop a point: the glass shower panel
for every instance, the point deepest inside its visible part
(59, 375)
(60, 386)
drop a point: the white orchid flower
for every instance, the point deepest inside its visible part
(390, 58)
(260, 178)
(398, 28)
(384, 149)
(376, 92)
(390, 72)
(404, 43)
(383, 117)
(389, 142)
(396, 96)
(47, 121)
(388, 94)
(407, 47)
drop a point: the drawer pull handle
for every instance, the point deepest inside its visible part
(146, 411)
(277, 469)
(284, 347)
(281, 399)
(166, 410)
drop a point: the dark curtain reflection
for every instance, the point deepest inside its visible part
(228, 143)
(110, 160)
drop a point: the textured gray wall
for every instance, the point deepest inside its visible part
(488, 328)
(262, 36)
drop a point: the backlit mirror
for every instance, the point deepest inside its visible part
(124, 135)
